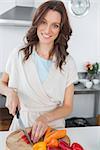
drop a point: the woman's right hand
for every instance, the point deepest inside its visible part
(12, 101)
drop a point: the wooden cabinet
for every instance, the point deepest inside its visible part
(5, 119)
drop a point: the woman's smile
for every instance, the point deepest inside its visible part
(46, 36)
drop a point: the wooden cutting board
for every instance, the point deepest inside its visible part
(14, 142)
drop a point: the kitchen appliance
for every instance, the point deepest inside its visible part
(19, 16)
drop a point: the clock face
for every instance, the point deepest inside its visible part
(79, 7)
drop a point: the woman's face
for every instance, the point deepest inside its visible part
(49, 27)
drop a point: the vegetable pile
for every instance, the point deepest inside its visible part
(54, 140)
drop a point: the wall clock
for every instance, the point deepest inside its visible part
(79, 7)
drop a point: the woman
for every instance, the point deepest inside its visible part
(39, 77)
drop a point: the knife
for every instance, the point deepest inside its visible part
(22, 126)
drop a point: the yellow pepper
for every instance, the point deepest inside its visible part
(39, 146)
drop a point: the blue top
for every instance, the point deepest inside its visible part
(42, 65)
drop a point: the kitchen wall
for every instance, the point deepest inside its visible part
(84, 45)
(24, 2)
(6, 5)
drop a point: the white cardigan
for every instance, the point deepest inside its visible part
(35, 97)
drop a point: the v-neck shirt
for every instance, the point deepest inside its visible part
(42, 65)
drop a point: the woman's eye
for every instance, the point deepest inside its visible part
(56, 26)
(43, 22)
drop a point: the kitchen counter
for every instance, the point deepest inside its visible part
(79, 88)
(88, 137)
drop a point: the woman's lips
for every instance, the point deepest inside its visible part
(46, 36)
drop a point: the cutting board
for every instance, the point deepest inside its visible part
(14, 142)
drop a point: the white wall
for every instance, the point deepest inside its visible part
(24, 2)
(6, 5)
(10, 37)
(84, 46)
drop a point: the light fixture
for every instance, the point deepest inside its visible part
(79, 7)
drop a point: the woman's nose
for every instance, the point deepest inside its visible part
(48, 29)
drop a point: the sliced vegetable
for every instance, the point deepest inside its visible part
(76, 146)
(25, 139)
(23, 136)
(66, 139)
(39, 146)
(53, 143)
(57, 134)
(48, 132)
(64, 146)
(54, 148)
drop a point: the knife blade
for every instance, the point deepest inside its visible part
(22, 126)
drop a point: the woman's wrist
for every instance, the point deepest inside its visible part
(43, 118)
(11, 90)
(46, 117)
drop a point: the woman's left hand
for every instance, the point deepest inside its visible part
(39, 128)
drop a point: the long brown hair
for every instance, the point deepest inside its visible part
(60, 43)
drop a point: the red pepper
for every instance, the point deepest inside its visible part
(55, 148)
(76, 146)
(66, 139)
(25, 138)
(64, 146)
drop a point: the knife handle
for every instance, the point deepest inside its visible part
(17, 113)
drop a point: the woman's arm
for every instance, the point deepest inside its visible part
(4, 90)
(41, 124)
(65, 109)
(12, 100)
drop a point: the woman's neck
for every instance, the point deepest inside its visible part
(44, 50)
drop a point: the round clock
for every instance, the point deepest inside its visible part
(79, 7)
